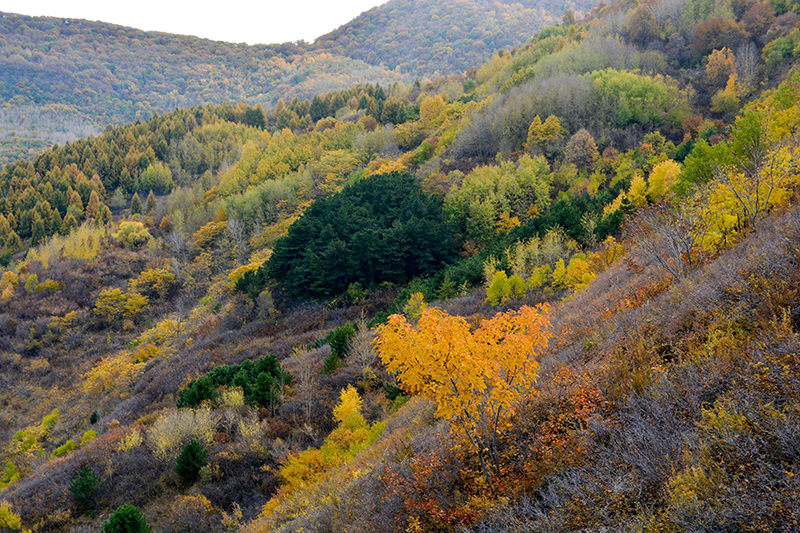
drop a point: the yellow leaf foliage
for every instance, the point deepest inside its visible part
(209, 233)
(662, 178)
(415, 306)
(110, 374)
(9, 520)
(238, 273)
(130, 441)
(88, 436)
(28, 439)
(132, 234)
(172, 430)
(86, 242)
(114, 305)
(352, 435)
(348, 412)
(477, 377)
(637, 191)
(155, 282)
(503, 288)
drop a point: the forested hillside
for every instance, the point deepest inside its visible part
(113, 74)
(109, 74)
(423, 38)
(557, 292)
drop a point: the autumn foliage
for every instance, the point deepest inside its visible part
(477, 376)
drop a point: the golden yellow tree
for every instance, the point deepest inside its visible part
(762, 170)
(662, 179)
(720, 66)
(477, 376)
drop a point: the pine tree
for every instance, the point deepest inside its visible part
(83, 488)
(190, 461)
(151, 203)
(69, 224)
(39, 233)
(126, 519)
(136, 204)
(93, 208)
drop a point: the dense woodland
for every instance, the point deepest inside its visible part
(112, 74)
(556, 292)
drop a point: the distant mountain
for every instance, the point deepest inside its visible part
(113, 74)
(425, 38)
(107, 74)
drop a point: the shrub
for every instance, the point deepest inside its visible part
(261, 383)
(83, 488)
(155, 283)
(10, 475)
(351, 435)
(504, 288)
(9, 520)
(193, 514)
(415, 306)
(190, 461)
(88, 437)
(65, 449)
(31, 283)
(172, 430)
(110, 373)
(114, 305)
(126, 519)
(132, 234)
(130, 441)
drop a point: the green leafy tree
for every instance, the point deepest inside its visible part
(158, 178)
(132, 234)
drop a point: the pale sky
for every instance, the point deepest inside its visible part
(252, 22)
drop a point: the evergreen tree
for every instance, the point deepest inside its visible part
(126, 519)
(69, 224)
(83, 488)
(151, 203)
(136, 204)
(190, 461)
(38, 233)
(383, 228)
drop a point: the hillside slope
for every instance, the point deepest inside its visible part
(112, 74)
(557, 293)
(423, 38)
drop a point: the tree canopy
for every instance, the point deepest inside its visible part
(384, 228)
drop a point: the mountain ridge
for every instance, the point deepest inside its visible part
(113, 74)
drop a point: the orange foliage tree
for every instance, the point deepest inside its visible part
(477, 376)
